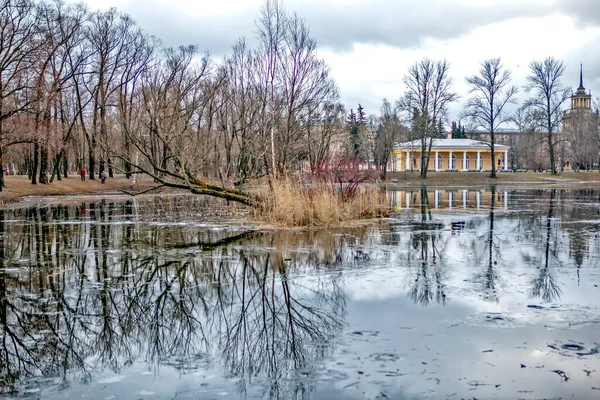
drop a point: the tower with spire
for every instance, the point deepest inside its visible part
(581, 100)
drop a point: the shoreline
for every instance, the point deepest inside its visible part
(19, 190)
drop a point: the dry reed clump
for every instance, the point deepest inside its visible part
(292, 203)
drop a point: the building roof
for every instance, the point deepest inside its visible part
(581, 90)
(451, 144)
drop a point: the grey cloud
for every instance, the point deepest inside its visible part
(585, 11)
(403, 24)
(591, 70)
(175, 28)
(407, 23)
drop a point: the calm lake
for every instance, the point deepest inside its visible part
(460, 294)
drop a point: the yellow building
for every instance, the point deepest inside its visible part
(449, 155)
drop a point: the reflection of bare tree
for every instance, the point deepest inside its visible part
(544, 285)
(490, 292)
(116, 293)
(427, 286)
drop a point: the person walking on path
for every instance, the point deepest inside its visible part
(82, 173)
(103, 176)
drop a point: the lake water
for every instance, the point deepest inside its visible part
(460, 294)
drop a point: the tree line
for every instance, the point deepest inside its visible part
(421, 114)
(82, 89)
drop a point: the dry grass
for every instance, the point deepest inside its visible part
(19, 186)
(293, 204)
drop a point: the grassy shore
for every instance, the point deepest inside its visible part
(18, 187)
(479, 179)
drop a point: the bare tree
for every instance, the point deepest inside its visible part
(305, 87)
(426, 100)
(389, 131)
(270, 32)
(324, 131)
(548, 98)
(491, 91)
(583, 140)
(19, 46)
(111, 36)
(525, 147)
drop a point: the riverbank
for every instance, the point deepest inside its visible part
(528, 179)
(19, 187)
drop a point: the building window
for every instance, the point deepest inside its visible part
(452, 162)
(467, 161)
(439, 161)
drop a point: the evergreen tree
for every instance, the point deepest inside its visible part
(458, 131)
(352, 126)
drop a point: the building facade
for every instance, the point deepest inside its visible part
(580, 132)
(461, 155)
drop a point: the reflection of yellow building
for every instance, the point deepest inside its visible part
(446, 199)
(449, 155)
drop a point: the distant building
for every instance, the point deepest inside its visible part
(581, 105)
(449, 155)
(580, 131)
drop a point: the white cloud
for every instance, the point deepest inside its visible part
(369, 45)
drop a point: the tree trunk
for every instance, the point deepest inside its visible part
(34, 166)
(43, 164)
(91, 160)
(2, 183)
(65, 165)
(493, 154)
(110, 168)
(551, 151)
(29, 163)
(127, 163)
(56, 168)
(1, 169)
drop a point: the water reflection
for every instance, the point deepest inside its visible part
(83, 283)
(448, 199)
(544, 285)
(179, 283)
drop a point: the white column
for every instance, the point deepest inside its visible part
(506, 160)
(478, 198)
(450, 198)
(407, 161)
(478, 167)
(464, 161)
(505, 200)
(450, 160)
(465, 196)
(436, 161)
(436, 196)
(407, 199)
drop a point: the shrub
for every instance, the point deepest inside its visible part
(325, 202)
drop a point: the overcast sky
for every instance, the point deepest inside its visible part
(370, 44)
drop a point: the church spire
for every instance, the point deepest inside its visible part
(581, 78)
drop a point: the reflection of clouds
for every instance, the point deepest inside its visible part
(270, 303)
(169, 298)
